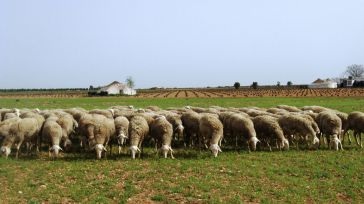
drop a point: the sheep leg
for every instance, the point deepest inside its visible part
(356, 138)
(49, 151)
(18, 149)
(270, 148)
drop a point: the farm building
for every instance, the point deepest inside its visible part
(352, 82)
(118, 88)
(322, 84)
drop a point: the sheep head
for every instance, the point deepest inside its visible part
(253, 143)
(134, 150)
(335, 142)
(285, 144)
(121, 138)
(215, 149)
(180, 129)
(166, 149)
(99, 148)
(5, 151)
(55, 149)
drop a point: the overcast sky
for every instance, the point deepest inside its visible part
(177, 43)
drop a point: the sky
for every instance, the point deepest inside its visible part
(177, 43)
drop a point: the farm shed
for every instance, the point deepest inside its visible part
(118, 88)
(323, 84)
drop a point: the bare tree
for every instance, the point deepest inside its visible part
(355, 70)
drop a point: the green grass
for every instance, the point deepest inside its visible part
(346, 104)
(293, 176)
(321, 176)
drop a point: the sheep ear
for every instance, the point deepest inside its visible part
(60, 149)
(105, 149)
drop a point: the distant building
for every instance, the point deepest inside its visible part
(323, 84)
(351, 82)
(118, 88)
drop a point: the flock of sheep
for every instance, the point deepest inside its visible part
(205, 128)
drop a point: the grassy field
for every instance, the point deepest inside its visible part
(345, 104)
(194, 177)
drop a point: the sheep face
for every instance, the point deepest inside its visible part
(5, 151)
(253, 143)
(55, 149)
(335, 142)
(134, 150)
(180, 130)
(99, 148)
(215, 149)
(316, 141)
(285, 144)
(122, 138)
(166, 149)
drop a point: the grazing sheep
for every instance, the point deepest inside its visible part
(22, 130)
(297, 128)
(344, 123)
(277, 111)
(5, 127)
(356, 123)
(241, 126)
(138, 130)
(76, 113)
(69, 126)
(107, 113)
(331, 126)
(211, 129)
(177, 124)
(154, 108)
(315, 109)
(98, 129)
(269, 131)
(162, 132)
(52, 133)
(190, 121)
(289, 108)
(122, 131)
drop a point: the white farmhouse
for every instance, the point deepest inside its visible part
(118, 88)
(323, 84)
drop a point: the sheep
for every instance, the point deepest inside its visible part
(52, 132)
(5, 126)
(10, 115)
(122, 131)
(107, 113)
(295, 126)
(355, 123)
(331, 126)
(69, 126)
(315, 109)
(138, 130)
(211, 129)
(162, 132)
(98, 129)
(240, 125)
(22, 130)
(40, 120)
(277, 111)
(3, 112)
(154, 108)
(268, 130)
(289, 108)
(190, 121)
(76, 113)
(344, 122)
(177, 124)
